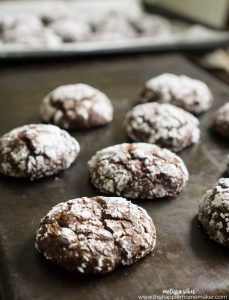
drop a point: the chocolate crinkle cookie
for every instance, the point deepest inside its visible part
(37, 150)
(152, 25)
(48, 16)
(221, 120)
(24, 30)
(77, 106)
(164, 124)
(70, 30)
(138, 170)
(214, 212)
(113, 27)
(191, 94)
(95, 235)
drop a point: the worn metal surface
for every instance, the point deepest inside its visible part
(184, 256)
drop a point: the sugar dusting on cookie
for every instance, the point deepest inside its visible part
(191, 94)
(138, 170)
(95, 235)
(36, 150)
(164, 124)
(214, 212)
(77, 106)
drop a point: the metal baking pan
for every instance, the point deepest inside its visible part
(184, 258)
(191, 37)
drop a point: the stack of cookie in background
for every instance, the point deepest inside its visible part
(51, 30)
(92, 26)
(97, 234)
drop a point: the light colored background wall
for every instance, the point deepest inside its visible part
(212, 12)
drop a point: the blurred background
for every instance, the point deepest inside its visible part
(47, 29)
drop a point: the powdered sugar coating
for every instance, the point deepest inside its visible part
(113, 27)
(214, 212)
(8, 22)
(152, 25)
(70, 30)
(138, 170)
(95, 235)
(27, 31)
(49, 16)
(191, 94)
(221, 120)
(164, 124)
(76, 106)
(37, 150)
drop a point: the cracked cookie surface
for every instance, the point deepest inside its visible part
(214, 212)
(76, 106)
(95, 235)
(221, 120)
(163, 124)
(138, 170)
(36, 150)
(191, 94)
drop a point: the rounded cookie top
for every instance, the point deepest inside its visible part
(152, 25)
(191, 94)
(95, 235)
(70, 30)
(37, 150)
(8, 22)
(27, 31)
(49, 16)
(221, 120)
(76, 106)
(138, 170)
(214, 212)
(113, 27)
(164, 124)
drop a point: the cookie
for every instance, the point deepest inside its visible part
(152, 26)
(76, 106)
(191, 94)
(114, 26)
(95, 235)
(27, 31)
(44, 38)
(138, 170)
(49, 16)
(214, 212)
(8, 22)
(163, 124)
(221, 120)
(71, 31)
(37, 150)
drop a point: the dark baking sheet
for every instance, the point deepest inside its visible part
(184, 256)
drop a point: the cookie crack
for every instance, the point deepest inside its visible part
(33, 153)
(118, 247)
